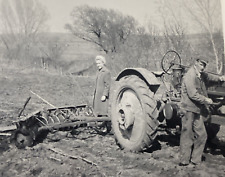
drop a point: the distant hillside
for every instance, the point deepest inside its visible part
(76, 48)
(78, 55)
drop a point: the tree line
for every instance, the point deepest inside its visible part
(23, 33)
(123, 40)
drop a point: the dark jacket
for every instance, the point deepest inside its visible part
(193, 91)
(102, 88)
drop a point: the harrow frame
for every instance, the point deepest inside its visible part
(32, 126)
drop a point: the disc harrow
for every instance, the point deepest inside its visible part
(37, 124)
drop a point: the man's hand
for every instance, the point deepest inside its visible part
(208, 101)
(103, 98)
(222, 78)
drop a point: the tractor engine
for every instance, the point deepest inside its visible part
(171, 110)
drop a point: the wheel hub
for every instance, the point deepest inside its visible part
(127, 117)
(128, 109)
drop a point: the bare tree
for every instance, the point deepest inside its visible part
(175, 32)
(51, 49)
(207, 15)
(22, 21)
(139, 50)
(105, 28)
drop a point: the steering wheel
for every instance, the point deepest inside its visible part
(169, 60)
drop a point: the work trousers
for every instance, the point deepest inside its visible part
(193, 138)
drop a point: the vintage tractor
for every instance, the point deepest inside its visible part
(143, 100)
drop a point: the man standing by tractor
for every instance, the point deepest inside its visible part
(194, 103)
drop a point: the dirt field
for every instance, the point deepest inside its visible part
(86, 153)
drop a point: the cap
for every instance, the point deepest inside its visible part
(203, 60)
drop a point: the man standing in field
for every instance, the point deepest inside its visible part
(194, 101)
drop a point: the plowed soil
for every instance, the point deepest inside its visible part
(85, 152)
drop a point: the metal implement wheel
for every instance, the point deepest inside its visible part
(22, 141)
(212, 130)
(169, 60)
(134, 114)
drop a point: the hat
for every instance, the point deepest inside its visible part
(203, 60)
(101, 58)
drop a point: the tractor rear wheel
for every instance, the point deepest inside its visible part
(134, 114)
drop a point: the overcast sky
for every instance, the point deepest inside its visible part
(60, 10)
(141, 10)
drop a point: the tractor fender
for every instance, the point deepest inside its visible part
(148, 76)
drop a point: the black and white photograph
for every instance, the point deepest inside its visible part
(112, 88)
